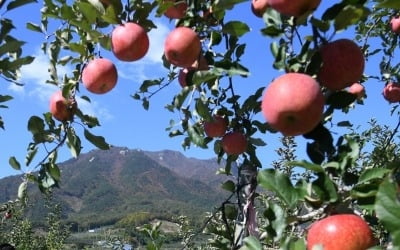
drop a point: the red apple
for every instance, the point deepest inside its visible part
(340, 232)
(395, 25)
(99, 76)
(176, 11)
(293, 8)
(61, 108)
(258, 7)
(182, 47)
(357, 89)
(216, 127)
(129, 42)
(8, 215)
(391, 92)
(342, 64)
(234, 143)
(183, 76)
(293, 104)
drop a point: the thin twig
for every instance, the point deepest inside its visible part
(60, 143)
(396, 129)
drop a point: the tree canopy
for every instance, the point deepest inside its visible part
(352, 172)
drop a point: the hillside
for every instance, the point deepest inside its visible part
(101, 187)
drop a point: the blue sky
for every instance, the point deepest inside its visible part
(123, 120)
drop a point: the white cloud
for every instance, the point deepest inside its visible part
(157, 37)
(95, 109)
(35, 75)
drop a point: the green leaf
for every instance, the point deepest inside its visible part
(240, 50)
(272, 31)
(180, 98)
(299, 244)
(31, 154)
(373, 174)
(277, 220)
(229, 186)
(14, 163)
(257, 142)
(77, 47)
(67, 12)
(341, 99)
(315, 153)
(235, 28)
(17, 3)
(215, 38)
(390, 4)
(146, 84)
(111, 15)
(327, 187)
(203, 76)
(350, 15)
(22, 190)
(89, 11)
(5, 98)
(387, 208)
(231, 211)
(34, 27)
(345, 124)
(197, 138)
(1, 123)
(98, 5)
(45, 180)
(333, 11)
(232, 70)
(280, 184)
(35, 125)
(202, 110)
(280, 57)
(97, 141)
(54, 172)
(145, 103)
(320, 24)
(11, 46)
(364, 190)
(73, 142)
(90, 121)
(307, 165)
(251, 243)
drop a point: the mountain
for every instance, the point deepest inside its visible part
(202, 170)
(101, 187)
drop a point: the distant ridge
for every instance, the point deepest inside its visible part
(101, 187)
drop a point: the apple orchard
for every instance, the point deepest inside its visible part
(345, 195)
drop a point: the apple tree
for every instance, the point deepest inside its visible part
(321, 50)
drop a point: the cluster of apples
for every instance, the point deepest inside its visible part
(183, 49)
(130, 42)
(182, 46)
(232, 142)
(294, 103)
(391, 91)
